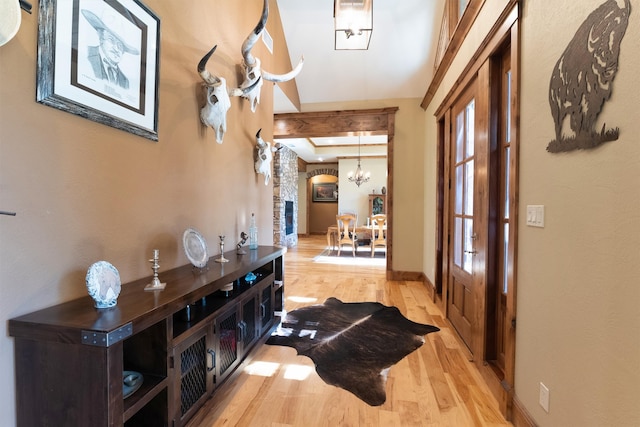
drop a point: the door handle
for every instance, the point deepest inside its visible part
(471, 252)
(213, 360)
(242, 326)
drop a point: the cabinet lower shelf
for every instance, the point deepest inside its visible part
(150, 388)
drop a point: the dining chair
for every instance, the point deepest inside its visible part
(347, 232)
(378, 232)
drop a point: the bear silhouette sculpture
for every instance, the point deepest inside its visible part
(582, 79)
(353, 345)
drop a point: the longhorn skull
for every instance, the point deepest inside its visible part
(251, 64)
(214, 112)
(264, 156)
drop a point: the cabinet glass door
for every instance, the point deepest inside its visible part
(227, 354)
(249, 325)
(266, 308)
(192, 358)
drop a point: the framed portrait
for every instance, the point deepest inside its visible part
(100, 60)
(325, 192)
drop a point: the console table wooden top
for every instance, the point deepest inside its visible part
(185, 285)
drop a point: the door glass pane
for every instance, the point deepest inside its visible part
(462, 5)
(507, 170)
(458, 186)
(470, 110)
(457, 242)
(507, 107)
(463, 188)
(505, 258)
(468, 188)
(468, 245)
(460, 137)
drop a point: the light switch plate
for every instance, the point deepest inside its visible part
(535, 216)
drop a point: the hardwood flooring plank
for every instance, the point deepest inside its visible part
(435, 385)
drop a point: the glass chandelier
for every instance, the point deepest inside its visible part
(359, 177)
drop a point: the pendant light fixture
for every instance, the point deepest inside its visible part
(353, 24)
(359, 177)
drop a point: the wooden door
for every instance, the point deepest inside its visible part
(266, 311)
(249, 325)
(227, 343)
(194, 374)
(461, 301)
(477, 205)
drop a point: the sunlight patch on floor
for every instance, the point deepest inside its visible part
(302, 299)
(269, 369)
(297, 372)
(325, 258)
(263, 369)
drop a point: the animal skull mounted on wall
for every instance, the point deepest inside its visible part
(264, 156)
(252, 68)
(218, 102)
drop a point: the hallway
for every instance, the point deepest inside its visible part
(433, 386)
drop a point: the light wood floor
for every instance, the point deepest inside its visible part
(433, 386)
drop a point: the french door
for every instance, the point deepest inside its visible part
(462, 307)
(478, 194)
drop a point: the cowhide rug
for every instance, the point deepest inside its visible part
(353, 345)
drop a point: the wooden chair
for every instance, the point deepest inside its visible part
(378, 232)
(347, 232)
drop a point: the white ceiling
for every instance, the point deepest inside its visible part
(398, 64)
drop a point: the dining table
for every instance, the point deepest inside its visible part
(364, 232)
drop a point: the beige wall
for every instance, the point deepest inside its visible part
(408, 178)
(85, 192)
(304, 195)
(321, 214)
(351, 197)
(356, 199)
(578, 317)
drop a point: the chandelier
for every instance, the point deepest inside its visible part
(359, 177)
(353, 24)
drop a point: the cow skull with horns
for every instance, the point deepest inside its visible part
(214, 112)
(252, 68)
(264, 156)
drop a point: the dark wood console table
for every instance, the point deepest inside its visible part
(185, 340)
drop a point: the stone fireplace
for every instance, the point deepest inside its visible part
(285, 194)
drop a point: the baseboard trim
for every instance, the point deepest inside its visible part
(430, 286)
(412, 276)
(520, 417)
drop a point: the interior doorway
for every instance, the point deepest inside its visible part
(345, 123)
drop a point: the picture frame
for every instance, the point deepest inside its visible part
(100, 60)
(325, 192)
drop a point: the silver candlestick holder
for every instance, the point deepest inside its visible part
(155, 284)
(222, 258)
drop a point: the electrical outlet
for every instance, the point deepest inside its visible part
(544, 397)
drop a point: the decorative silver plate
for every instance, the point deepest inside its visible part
(103, 284)
(195, 247)
(131, 381)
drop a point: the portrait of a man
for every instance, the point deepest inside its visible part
(106, 56)
(100, 60)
